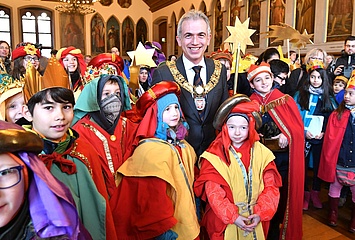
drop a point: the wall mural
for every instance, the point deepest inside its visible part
(235, 12)
(97, 35)
(141, 33)
(218, 26)
(340, 19)
(305, 15)
(72, 27)
(254, 14)
(127, 36)
(113, 34)
(125, 3)
(106, 2)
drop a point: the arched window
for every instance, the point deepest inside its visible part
(5, 30)
(37, 27)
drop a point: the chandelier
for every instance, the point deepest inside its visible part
(76, 7)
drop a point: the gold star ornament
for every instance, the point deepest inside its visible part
(142, 56)
(240, 34)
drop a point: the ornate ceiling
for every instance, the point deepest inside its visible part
(155, 5)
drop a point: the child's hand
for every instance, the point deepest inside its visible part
(320, 136)
(309, 135)
(254, 221)
(282, 140)
(242, 222)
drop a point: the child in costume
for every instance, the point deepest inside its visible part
(23, 54)
(315, 101)
(156, 198)
(74, 64)
(282, 132)
(34, 205)
(50, 110)
(337, 158)
(11, 99)
(238, 178)
(339, 85)
(99, 122)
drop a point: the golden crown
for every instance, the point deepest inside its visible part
(315, 64)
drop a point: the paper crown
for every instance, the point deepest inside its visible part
(154, 93)
(104, 59)
(351, 82)
(238, 103)
(28, 49)
(315, 64)
(8, 87)
(254, 70)
(54, 76)
(341, 78)
(222, 55)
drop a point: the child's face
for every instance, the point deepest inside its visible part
(262, 83)
(349, 97)
(281, 78)
(143, 76)
(31, 58)
(52, 119)
(171, 115)
(315, 79)
(338, 86)
(13, 108)
(11, 198)
(110, 88)
(238, 130)
(70, 63)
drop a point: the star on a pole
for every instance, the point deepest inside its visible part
(142, 56)
(240, 34)
(302, 40)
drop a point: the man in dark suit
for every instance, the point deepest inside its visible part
(202, 90)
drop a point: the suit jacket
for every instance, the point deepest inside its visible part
(201, 132)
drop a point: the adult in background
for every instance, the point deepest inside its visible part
(5, 55)
(199, 99)
(346, 63)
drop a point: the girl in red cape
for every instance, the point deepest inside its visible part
(337, 164)
(238, 179)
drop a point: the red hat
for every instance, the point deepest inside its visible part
(28, 49)
(108, 58)
(63, 52)
(254, 70)
(222, 55)
(154, 93)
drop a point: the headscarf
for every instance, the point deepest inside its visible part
(63, 52)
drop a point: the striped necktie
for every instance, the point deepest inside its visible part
(197, 78)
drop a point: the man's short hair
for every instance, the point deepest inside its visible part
(193, 15)
(58, 94)
(350, 38)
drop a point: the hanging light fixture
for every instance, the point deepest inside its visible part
(76, 7)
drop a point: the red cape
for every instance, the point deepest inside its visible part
(288, 119)
(333, 139)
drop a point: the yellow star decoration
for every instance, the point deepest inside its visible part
(302, 40)
(282, 57)
(284, 31)
(240, 34)
(142, 56)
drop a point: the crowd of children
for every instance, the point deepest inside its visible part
(82, 156)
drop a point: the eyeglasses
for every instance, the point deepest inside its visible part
(316, 58)
(350, 46)
(10, 177)
(31, 58)
(3, 47)
(281, 78)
